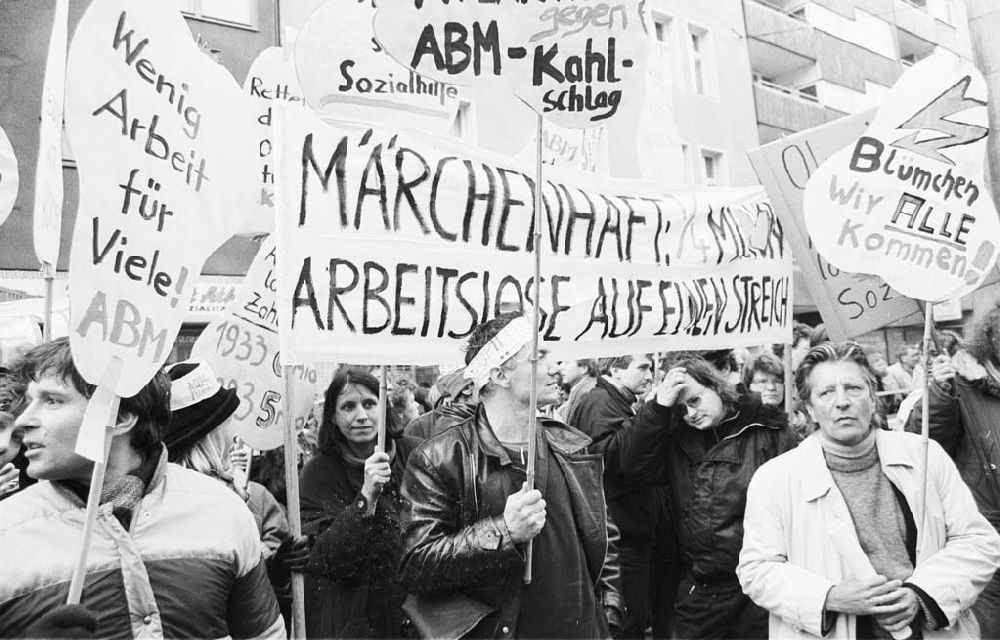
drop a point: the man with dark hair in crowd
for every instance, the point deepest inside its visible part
(456, 402)
(580, 376)
(801, 342)
(12, 476)
(471, 513)
(174, 553)
(602, 413)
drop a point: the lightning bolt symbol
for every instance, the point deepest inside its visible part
(934, 117)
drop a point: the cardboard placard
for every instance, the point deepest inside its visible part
(393, 247)
(577, 63)
(165, 146)
(851, 304)
(271, 78)
(241, 347)
(907, 200)
(346, 75)
(8, 177)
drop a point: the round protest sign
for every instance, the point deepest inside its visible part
(8, 177)
(242, 349)
(577, 63)
(165, 146)
(347, 75)
(271, 78)
(908, 200)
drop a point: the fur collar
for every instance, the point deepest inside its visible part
(974, 373)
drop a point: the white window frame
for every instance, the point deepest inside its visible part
(193, 9)
(670, 45)
(721, 167)
(709, 74)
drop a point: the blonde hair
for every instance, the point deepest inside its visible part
(208, 456)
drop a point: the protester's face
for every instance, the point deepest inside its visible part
(357, 414)
(571, 371)
(909, 359)
(637, 377)
(703, 408)
(51, 422)
(841, 402)
(770, 388)
(799, 352)
(10, 438)
(548, 380)
(878, 364)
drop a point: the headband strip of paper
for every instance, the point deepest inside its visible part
(499, 350)
(200, 383)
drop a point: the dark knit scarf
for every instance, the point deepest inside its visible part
(125, 493)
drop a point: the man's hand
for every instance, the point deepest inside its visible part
(377, 474)
(64, 621)
(905, 607)
(524, 514)
(8, 478)
(671, 386)
(942, 371)
(867, 597)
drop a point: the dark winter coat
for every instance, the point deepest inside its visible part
(434, 422)
(455, 539)
(351, 585)
(965, 421)
(602, 414)
(707, 473)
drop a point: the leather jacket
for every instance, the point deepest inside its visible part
(455, 539)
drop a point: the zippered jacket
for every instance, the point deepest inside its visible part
(188, 566)
(707, 473)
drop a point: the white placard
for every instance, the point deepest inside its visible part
(908, 200)
(8, 177)
(165, 147)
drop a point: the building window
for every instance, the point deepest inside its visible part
(713, 169)
(702, 72)
(686, 159)
(241, 13)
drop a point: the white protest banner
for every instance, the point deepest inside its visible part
(851, 304)
(577, 63)
(8, 177)
(346, 75)
(271, 77)
(165, 146)
(392, 247)
(242, 349)
(48, 204)
(907, 200)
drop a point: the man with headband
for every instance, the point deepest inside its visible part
(471, 515)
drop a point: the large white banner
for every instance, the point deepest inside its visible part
(392, 248)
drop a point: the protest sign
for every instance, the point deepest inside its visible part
(346, 75)
(907, 200)
(8, 177)
(271, 77)
(393, 247)
(165, 146)
(851, 304)
(577, 63)
(241, 347)
(48, 201)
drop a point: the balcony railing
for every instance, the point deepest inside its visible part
(791, 91)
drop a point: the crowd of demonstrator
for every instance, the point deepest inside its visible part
(675, 495)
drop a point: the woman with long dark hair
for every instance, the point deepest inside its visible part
(350, 506)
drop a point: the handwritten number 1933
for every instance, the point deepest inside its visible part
(241, 344)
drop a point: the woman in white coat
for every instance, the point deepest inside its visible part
(836, 539)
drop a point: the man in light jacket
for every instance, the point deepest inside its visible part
(835, 536)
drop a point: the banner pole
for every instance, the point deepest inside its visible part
(925, 412)
(533, 398)
(383, 390)
(789, 382)
(292, 500)
(48, 276)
